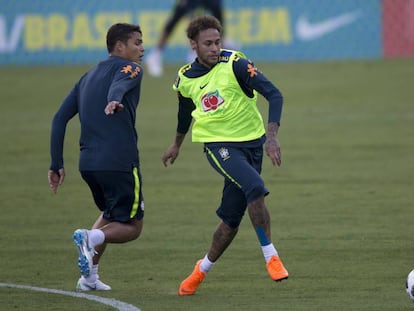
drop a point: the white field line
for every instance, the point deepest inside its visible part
(119, 305)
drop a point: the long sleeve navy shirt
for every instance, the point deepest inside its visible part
(107, 142)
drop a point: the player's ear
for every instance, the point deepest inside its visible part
(193, 44)
(119, 47)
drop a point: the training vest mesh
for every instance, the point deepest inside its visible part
(223, 113)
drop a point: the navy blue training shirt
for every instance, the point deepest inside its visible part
(107, 142)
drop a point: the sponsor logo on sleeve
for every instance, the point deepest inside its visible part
(132, 72)
(252, 70)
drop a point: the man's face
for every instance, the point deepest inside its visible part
(207, 46)
(134, 49)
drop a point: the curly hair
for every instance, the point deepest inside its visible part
(202, 23)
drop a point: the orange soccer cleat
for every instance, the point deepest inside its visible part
(276, 269)
(190, 284)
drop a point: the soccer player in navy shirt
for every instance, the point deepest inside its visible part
(106, 99)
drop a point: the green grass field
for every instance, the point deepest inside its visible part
(341, 204)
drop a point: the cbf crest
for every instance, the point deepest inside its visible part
(224, 153)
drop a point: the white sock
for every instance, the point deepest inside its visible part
(268, 251)
(206, 264)
(93, 276)
(96, 237)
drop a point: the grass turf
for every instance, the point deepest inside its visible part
(341, 203)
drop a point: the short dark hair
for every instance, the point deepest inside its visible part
(202, 23)
(120, 32)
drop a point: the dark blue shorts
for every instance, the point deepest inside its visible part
(241, 168)
(117, 194)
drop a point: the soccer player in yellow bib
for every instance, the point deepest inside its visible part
(219, 92)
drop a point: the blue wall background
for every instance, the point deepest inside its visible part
(73, 32)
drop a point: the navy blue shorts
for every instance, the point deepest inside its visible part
(241, 168)
(117, 194)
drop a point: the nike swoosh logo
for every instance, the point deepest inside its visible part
(203, 86)
(307, 31)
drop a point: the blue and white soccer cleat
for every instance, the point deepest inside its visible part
(84, 286)
(85, 258)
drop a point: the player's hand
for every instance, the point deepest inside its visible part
(273, 151)
(55, 179)
(170, 154)
(113, 107)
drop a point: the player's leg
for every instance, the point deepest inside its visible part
(121, 232)
(181, 9)
(154, 58)
(120, 222)
(123, 207)
(260, 219)
(114, 232)
(231, 211)
(216, 9)
(101, 242)
(222, 238)
(81, 237)
(243, 167)
(259, 215)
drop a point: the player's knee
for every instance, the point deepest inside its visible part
(135, 229)
(232, 220)
(255, 195)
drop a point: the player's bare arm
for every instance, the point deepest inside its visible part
(272, 145)
(172, 151)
